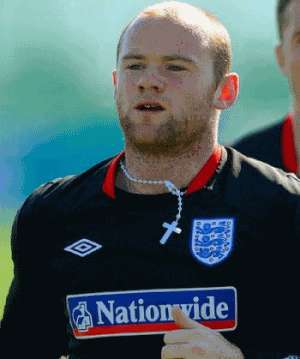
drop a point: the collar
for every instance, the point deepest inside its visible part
(288, 147)
(198, 182)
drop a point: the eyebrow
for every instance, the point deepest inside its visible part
(179, 58)
(133, 57)
(166, 58)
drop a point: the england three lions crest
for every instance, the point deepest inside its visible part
(212, 239)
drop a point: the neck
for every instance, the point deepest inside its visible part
(180, 169)
(296, 128)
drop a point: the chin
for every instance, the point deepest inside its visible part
(143, 131)
(155, 146)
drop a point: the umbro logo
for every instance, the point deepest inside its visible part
(83, 247)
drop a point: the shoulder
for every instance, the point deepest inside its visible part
(60, 195)
(49, 206)
(255, 181)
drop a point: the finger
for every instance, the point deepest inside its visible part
(184, 336)
(174, 351)
(185, 322)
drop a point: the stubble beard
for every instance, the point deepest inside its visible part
(176, 135)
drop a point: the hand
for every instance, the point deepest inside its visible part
(195, 341)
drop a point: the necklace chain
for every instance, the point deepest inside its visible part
(168, 184)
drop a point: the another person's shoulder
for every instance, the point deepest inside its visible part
(263, 144)
(256, 181)
(258, 138)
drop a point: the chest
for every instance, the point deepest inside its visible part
(118, 272)
(121, 249)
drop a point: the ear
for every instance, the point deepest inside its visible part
(114, 81)
(280, 58)
(227, 91)
(114, 77)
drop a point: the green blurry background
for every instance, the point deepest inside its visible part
(57, 114)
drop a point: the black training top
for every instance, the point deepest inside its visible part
(91, 275)
(274, 145)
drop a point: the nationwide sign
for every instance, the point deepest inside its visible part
(95, 315)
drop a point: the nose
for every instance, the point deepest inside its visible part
(150, 80)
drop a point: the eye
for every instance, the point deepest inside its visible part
(134, 67)
(176, 68)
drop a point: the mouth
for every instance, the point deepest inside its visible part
(150, 107)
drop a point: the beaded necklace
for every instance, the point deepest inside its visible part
(170, 227)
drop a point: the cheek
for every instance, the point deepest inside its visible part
(130, 83)
(126, 85)
(295, 72)
(176, 83)
(183, 92)
(293, 57)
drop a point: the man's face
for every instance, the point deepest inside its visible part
(289, 51)
(164, 86)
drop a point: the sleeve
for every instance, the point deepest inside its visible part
(33, 322)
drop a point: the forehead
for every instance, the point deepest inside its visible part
(161, 36)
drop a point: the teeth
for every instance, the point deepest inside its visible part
(151, 106)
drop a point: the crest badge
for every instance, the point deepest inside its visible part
(212, 239)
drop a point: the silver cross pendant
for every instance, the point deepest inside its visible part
(170, 229)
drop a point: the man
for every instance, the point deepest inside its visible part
(279, 144)
(165, 237)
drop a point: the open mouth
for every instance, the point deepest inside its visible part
(151, 107)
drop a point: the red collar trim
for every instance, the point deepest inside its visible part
(198, 182)
(288, 148)
(108, 186)
(206, 172)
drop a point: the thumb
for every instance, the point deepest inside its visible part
(182, 320)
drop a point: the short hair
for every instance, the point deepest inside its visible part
(218, 37)
(282, 19)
